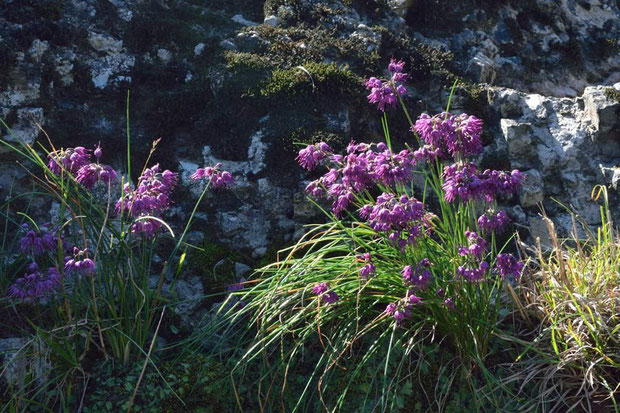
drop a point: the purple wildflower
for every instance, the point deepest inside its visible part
(500, 183)
(472, 274)
(217, 177)
(152, 194)
(91, 174)
(325, 294)
(418, 277)
(397, 217)
(98, 152)
(461, 181)
(151, 197)
(385, 92)
(70, 159)
(402, 309)
(398, 311)
(429, 152)
(38, 241)
(476, 245)
(448, 302)
(146, 227)
(493, 221)
(358, 170)
(367, 269)
(413, 299)
(456, 135)
(396, 67)
(79, 263)
(35, 284)
(507, 264)
(312, 155)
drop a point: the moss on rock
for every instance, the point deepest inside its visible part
(310, 80)
(612, 93)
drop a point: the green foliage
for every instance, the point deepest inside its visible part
(159, 25)
(215, 264)
(111, 313)
(575, 300)
(377, 352)
(309, 80)
(198, 384)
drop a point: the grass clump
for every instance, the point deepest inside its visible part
(365, 291)
(575, 301)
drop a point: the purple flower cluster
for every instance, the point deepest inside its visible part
(215, 175)
(385, 92)
(146, 227)
(76, 161)
(368, 269)
(38, 241)
(474, 251)
(325, 294)
(476, 246)
(35, 284)
(79, 263)
(418, 277)
(93, 173)
(312, 155)
(451, 134)
(358, 170)
(463, 181)
(497, 183)
(150, 198)
(472, 274)
(507, 264)
(402, 309)
(70, 159)
(399, 217)
(493, 221)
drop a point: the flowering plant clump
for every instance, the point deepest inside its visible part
(85, 280)
(398, 262)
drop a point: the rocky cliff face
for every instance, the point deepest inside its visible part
(241, 82)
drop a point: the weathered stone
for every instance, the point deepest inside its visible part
(25, 130)
(104, 43)
(23, 357)
(164, 55)
(400, 7)
(241, 270)
(271, 20)
(519, 138)
(604, 111)
(533, 189)
(190, 293)
(238, 18)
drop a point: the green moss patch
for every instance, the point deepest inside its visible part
(310, 80)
